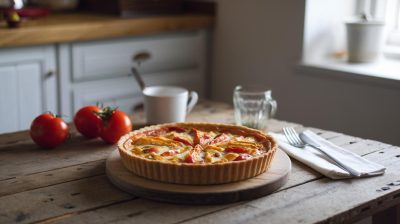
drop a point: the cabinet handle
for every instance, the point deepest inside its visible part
(141, 57)
(49, 74)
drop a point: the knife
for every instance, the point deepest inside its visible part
(308, 141)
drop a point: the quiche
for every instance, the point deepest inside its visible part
(197, 153)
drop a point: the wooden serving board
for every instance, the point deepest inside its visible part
(266, 183)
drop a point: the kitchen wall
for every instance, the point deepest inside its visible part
(258, 41)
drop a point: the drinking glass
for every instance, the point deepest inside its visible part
(253, 106)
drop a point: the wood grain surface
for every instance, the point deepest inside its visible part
(69, 185)
(71, 27)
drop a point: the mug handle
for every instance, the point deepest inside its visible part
(274, 106)
(194, 97)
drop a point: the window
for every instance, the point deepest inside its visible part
(324, 47)
(388, 11)
(393, 22)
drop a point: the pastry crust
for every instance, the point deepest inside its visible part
(198, 173)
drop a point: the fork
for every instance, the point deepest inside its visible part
(294, 139)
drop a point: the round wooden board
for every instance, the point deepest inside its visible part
(266, 183)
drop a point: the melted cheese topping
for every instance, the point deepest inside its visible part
(184, 145)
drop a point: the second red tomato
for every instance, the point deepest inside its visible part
(88, 122)
(115, 124)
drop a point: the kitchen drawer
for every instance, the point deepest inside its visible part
(113, 58)
(124, 92)
(189, 79)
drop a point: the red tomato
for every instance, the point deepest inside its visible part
(115, 124)
(48, 131)
(88, 122)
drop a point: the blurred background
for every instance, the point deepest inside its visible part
(62, 55)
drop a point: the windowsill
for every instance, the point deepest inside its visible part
(384, 71)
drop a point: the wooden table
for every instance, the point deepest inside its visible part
(68, 185)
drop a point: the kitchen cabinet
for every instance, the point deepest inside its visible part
(27, 86)
(65, 77)
(100, 71)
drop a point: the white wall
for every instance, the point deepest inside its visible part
(260, 41)
(324, 28)
(256, 41)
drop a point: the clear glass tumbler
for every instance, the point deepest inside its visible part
(253, 107)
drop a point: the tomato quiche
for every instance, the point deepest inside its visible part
(197, 153)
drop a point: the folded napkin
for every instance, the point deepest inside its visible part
(321, 163)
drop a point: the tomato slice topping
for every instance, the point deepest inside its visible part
(189, 159)
(242, 157)
(194, 155)
(236, 150)
(169, 153)
(150, 150)
(220, 138)
(177, 129)
(184, 141)
(196, 137)
(155, 132)
(200, 137)
(240, 138)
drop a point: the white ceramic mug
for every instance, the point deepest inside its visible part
(166, 104)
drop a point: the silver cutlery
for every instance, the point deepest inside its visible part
(301, 141)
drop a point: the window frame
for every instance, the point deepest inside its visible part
(388, 11)
(393, 20)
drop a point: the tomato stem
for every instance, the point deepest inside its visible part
(52, 114)
(99, 105)
(105, 114)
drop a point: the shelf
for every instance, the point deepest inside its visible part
(383, 72)
(61, 28)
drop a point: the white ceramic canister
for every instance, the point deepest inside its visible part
(364, 40)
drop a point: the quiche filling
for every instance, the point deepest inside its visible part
(176, 144)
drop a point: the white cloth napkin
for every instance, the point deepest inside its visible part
(321, 163)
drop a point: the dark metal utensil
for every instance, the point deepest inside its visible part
(138, 78)
(139, 58)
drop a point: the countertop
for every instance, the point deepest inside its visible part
(61, 28)
(69, 185)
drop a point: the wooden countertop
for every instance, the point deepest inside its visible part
(60, 28)
(69, 185)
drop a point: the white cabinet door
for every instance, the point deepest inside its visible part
(30, 98)
(8, 97)
(20, 97)
(26, 89)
